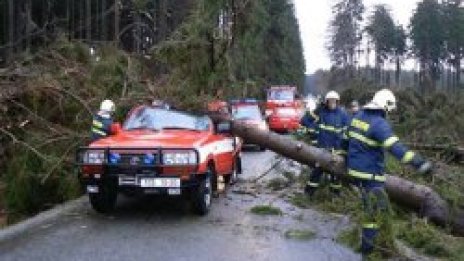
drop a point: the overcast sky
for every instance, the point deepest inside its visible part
(314, 17)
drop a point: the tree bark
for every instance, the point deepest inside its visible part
(418, 197)
(116, 23)
(458, 73)
(88, 21)
(11, 27)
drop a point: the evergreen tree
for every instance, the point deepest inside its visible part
(345, 32)
(382, 31)
(428, 40)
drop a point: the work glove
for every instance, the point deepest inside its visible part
(425, 168)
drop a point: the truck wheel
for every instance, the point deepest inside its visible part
(261, 148)
(202, 195)
(105, 200)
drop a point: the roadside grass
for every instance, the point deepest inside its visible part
(425, 238)
(417, 233)
(350, 237)
(266, 210)
(300, 200)
(300, 234)
(277, 183)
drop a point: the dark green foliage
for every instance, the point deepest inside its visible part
(423, 236)
(51, 120)
(28, 192)
(262, 47)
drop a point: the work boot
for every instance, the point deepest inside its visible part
(335, 192)
(309, 190)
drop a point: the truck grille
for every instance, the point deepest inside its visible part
(134, 159)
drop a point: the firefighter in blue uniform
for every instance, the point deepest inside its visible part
(354, 107)
(102, 120)
(331, 122)
(369, 135)
(308, 127)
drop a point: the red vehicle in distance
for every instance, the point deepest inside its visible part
(249, 112)
(283, 110)
(284, 119)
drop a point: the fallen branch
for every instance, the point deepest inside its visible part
(25, 144)
(268, 171)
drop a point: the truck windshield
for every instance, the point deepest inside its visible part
(250, 112)
(157, 119)
(281, 95)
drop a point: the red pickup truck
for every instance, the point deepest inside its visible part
(160, 151)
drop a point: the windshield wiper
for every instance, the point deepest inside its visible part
(178, 128)
(142, 128)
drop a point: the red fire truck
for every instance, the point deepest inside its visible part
(283, 109)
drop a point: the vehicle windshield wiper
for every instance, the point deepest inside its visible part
(178, 128)
(142, 128)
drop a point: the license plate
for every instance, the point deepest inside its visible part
(174, 191)
(160, 183)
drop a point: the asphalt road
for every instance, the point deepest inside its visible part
(154, 229)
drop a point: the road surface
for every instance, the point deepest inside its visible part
(154, 229)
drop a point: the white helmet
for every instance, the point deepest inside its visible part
(311, 104)
(383, 100)
(332, 95)
(107, 106)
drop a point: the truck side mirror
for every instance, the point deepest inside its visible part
(224, 128)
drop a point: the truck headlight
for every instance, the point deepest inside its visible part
(94, 157)
(180, 157)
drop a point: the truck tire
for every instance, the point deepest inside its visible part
(203, 194)
(105, 201)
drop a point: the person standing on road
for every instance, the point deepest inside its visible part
(331, 121)
(354, 107)
(308, 127)
(369, 134)
(103, 120)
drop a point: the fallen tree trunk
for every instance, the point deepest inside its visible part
(420, 198)
(458, 152)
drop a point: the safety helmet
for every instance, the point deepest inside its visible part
(107, 106)
(332, 95)
(383, 100)
(157, 103)
(311, 104)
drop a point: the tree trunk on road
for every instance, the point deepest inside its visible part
(418, 197)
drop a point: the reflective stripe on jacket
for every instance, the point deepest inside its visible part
(331, 125)
(101, 126)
